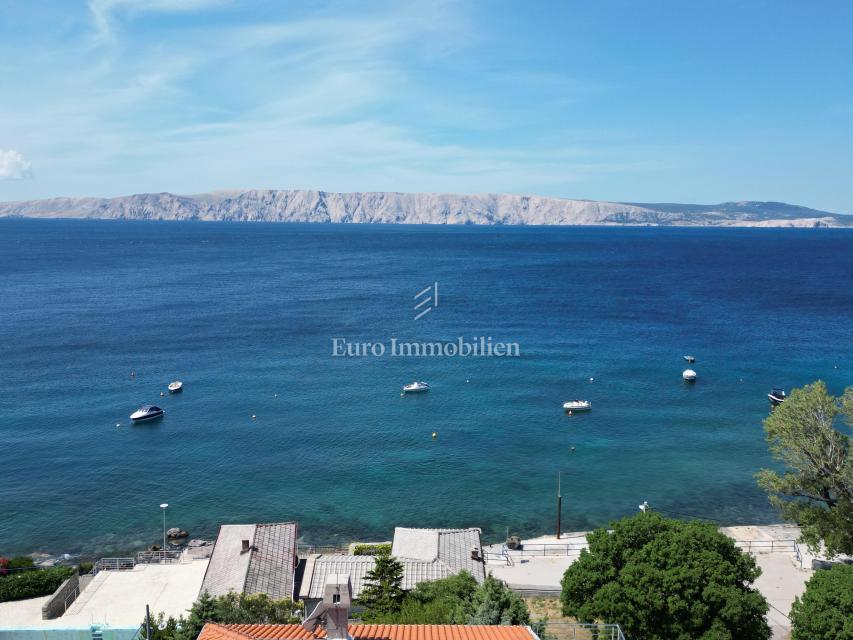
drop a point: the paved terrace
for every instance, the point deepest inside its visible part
(539, 566)
(118, 598)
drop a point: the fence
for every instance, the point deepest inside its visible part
(771, 546)
(303, 550)
(582, 631)
(166, 556)
(113, 564)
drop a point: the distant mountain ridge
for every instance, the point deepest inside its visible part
(269, 205)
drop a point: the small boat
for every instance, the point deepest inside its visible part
(776, 396)
(689, 375)
(416, 387)
(577, 405)
(176, 387)
(147, 412)
(690, 359)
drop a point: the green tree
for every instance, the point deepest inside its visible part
(446, 601)
(825, 611)
(382, 593)
(816, 488)
(662, 579)
(232, 608)
(494, 603)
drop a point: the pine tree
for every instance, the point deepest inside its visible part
(383, 593)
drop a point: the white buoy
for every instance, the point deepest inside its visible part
(118, 424)
(592, 379)
(254, 416)
(689, 375)
(434, 435)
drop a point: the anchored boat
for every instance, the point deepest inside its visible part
(776, 396)
(689, 375)
(577, 405)
(176, 387)
(416, 387)
(147, 412)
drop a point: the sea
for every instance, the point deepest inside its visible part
(97, 317)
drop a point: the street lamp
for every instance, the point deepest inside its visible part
(163, 507)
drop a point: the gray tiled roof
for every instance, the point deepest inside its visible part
(267, 568)
(448, 547)
(426, 554)
(319, 567)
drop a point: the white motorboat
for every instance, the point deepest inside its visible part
(690, 359)
(176, 387)
(147, 412)
(416, 387)
(577, 405)
(689, 375)
(777, 396)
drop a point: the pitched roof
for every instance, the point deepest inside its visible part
(267, 567)
(213, 631)
(319, 567)
(449, 547)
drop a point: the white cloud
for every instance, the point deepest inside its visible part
(102, 10)
(13, 166)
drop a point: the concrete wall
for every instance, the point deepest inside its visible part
(55, 605)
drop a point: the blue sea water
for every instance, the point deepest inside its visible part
(245, 315)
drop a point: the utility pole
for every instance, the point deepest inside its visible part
(559, 504)
(147, 623)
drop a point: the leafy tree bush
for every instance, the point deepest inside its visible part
(371, 549)
(662, 579)
(19, 585)
(825, 611)
(382, 593)
(232, 608)
(21, 562)
(816, 489)
(458, 599)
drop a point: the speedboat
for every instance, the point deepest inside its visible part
(577, 405)
(147, 412)
(416, 387)
(689, 375)
(690, 359)
(776, 396)
(176, 387)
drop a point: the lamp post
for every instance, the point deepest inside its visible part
(163, 507)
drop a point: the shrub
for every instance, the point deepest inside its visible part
(371, 549)
(231, 608)
(662, 579)
(32, 584)
(825, 611)
(21, 562)
(85, 567)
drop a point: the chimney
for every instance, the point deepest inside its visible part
(245, 548)
(335, 606)
(475, 552)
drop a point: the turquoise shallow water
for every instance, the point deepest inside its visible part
(243, 312)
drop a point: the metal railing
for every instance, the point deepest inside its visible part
(567, 549)
(303, 550)
(769, 546)
(70, 598)
(585, 631)
(165, 556)
(113, 564)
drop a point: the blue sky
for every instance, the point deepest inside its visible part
(643, 101)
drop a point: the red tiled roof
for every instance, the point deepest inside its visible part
(213, 631)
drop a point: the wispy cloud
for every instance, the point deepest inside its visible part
(374, 96)
(13, 166)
